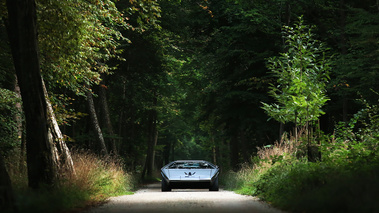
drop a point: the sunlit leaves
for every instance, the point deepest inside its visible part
(302, 73)
(147, 14)
(76, 39)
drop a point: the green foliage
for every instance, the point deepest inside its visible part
(76, 39)
(9, 128)
(229, 44)
(356, 70)
(146, 14)
(6, 63)
(344, 181)
(205, 61)
(357, 140)
(321, 187)
(64, 112)
(189, 148)
(301, 73)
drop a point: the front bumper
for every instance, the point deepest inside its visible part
(185, 182)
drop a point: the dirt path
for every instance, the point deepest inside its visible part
(151, 199)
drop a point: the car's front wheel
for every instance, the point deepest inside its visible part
(165, 187)
(214, 186)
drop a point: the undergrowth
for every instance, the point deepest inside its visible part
(95, 180)
(345, 179)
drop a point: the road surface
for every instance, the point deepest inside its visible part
(150, 199)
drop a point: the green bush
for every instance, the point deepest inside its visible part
(8, 124)
(322, 187)
(345, 180)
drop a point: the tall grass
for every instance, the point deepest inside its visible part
(95, 180)
(345, 180)
(266, 157)
(100, 177)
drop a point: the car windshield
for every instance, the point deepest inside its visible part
(190, 165)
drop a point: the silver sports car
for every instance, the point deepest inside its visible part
(183, 174)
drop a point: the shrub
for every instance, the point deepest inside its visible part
(322, 187)
(9, 138)
(345, 180)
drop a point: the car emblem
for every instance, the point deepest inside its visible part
(189, 173)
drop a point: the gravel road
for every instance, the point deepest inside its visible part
(151, 199)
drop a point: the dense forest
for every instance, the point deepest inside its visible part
(151, 81)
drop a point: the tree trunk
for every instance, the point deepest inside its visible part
(22, 166)
(62, 154)
(152, 163)
(288, 13)
(344, 50)
(344, 110)
(296, 136)
(173, 150)
(151, 146)
(308, 138)
(6, 192)
(244, 148)
(234, 158)
(18, 118)
(218, 153)
(121, 118)
(281, 131)
(22, 33)
(214, 153)
(100, 143)
(106, 119)
(167, 152)
(21, 135)
(152, 140)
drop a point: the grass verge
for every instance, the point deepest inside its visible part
(96, 179)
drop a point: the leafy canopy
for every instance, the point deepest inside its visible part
(76, 39)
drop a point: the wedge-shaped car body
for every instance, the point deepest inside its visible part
(183, 174)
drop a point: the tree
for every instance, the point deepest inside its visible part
(301, 73)
(106, 120)
(99, 145)
(356, 71)
(77, 39)
(61, 153)
(22, 33)
(239, 38)
(6, 192)
(75, 47)
(152, 138)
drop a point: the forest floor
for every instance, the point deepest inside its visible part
(150, 199)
